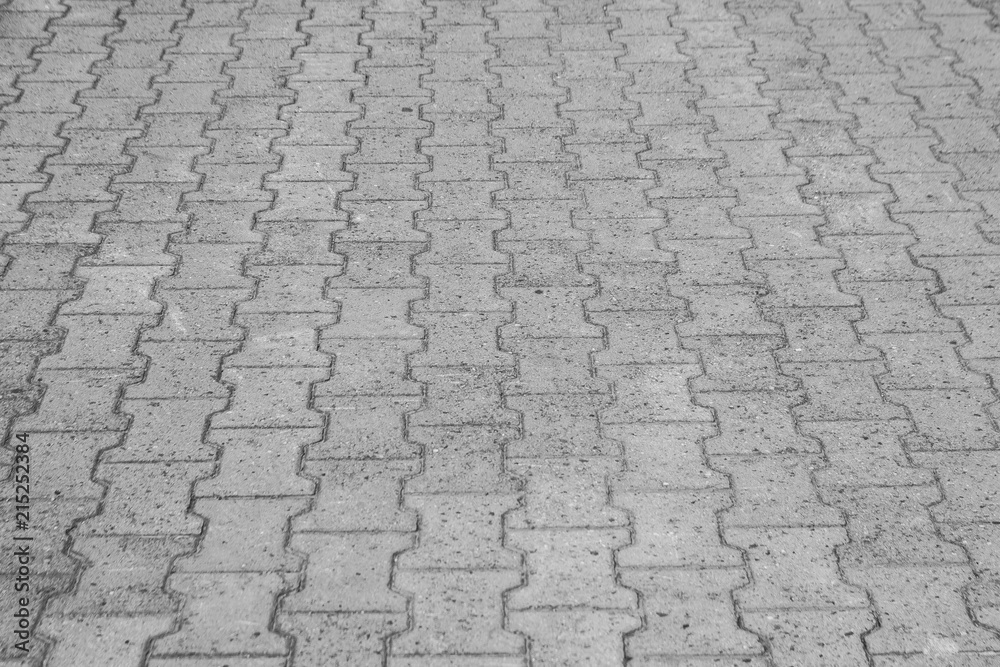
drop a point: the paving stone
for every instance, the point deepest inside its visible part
(757, 503)
(978, 321)
(166, 488)
(126, 576)
(246, 450)
(369, 368)
(440, 599)
(652, 394)
(569, 568)
(723, 309)
(130, 243)
(892, 525)
(148, 202)
(462, 395)
(679, 601)
(277, 388)
(376, 490)
(463, 459)
(961, 476)
(902, 306)
(239, 601)
(554, 365)
(350, 639)
(182, 370)
(365, 427)
(841, 390)
(564, 494)
(859, 213)
(118, 290)
(594, 637)
(794, 568)
(865, 453)
(930, 360)
(243, 535)
(969, 279)
(717, 262)
(647, 447)
(50, 520)
(280, 339)
(440, 334)
(804, 283)
(691, 539)
(790, 634)
(738, 363)
(357, 564)
(462, 288)
(632, 286)
(119, 638)
(99, 341)
(80, 400)
(21, 357)
(963, 235)
(548, 312)
(755, 422)
(447, 545)
(68, 458)
(785, 238)
(875, 258)
(166, 430)
(373, 313)
(936, 430)
(902, 631)
(640, 337)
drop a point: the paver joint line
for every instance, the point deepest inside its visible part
(501, 333)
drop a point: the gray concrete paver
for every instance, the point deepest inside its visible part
(502, 333)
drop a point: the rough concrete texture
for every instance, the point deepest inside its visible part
(502, 333)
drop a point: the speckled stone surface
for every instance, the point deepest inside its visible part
(501, 333)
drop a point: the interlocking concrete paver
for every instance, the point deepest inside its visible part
(502, 333)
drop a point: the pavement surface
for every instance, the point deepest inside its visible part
(500, 333)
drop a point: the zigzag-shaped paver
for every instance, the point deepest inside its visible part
(502, 333)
